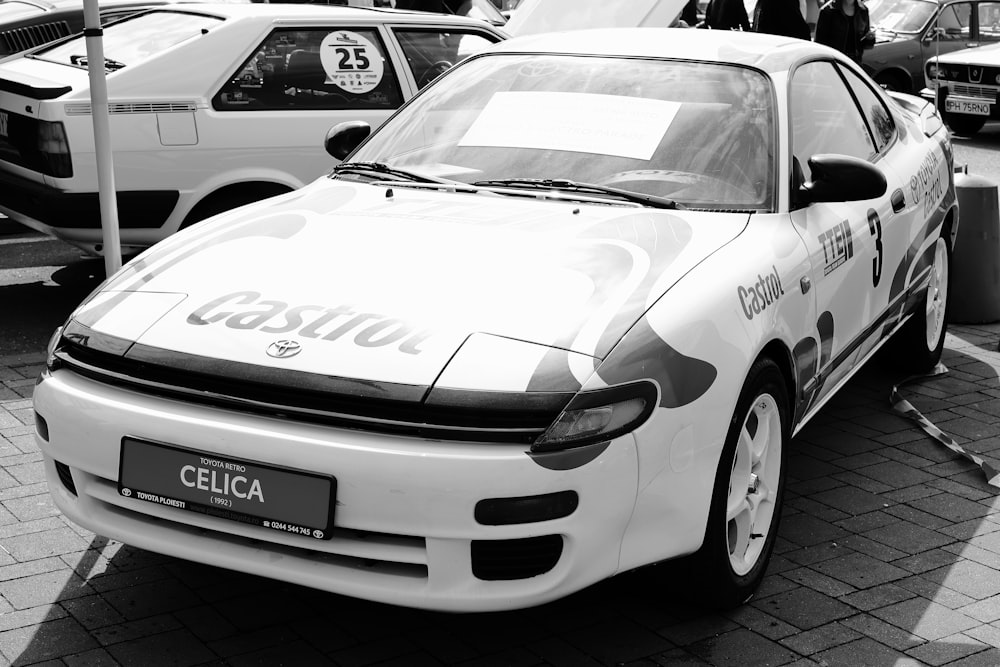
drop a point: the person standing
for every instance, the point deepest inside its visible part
(727, 15)
(844, 25)
(780, 17)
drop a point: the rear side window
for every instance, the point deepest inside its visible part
(323, 68)
(134, 40)
(431, 52)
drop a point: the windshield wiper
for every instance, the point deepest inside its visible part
(109, 64)
(576, 186)
(383, 168)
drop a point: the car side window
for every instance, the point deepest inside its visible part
(954, 22)
(880, 120)
(429, 52)
(989, 21)
(319, 68)
(824, 117)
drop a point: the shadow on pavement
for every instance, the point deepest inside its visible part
(888, 554)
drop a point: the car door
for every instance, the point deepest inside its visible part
(276, 104)
(847, 241)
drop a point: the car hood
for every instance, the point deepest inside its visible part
(403, 285)
(981, 55)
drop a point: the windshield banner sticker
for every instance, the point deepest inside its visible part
(351, 62)
(580, 122)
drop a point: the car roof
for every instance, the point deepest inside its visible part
(268, 12)
(771, 53)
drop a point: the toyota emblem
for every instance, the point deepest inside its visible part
(282, 349)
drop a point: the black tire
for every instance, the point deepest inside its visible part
(964, 125)
(918, 345)
(726, 575)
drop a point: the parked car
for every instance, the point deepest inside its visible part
(212, 106)
(556, 319)
(25, 24)
(908, 32)
(964, 85)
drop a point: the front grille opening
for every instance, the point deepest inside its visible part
(506, 560)
(66, 477)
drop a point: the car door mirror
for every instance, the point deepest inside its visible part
(934, 33)
(839, 178)
(343, 138)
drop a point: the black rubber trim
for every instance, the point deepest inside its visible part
(309, 397)
(137, 209)
(34, 92)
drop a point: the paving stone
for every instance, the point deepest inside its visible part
(803, 608)
(742, 648)
(947, 649)
(820, 582)
(818, 552)
(925, 561)
(909, 493)
(967, 577)
(870, 521)
(865, 652)
(883, 632)
(987, 610)
(151, 599)
(926, 619)
(31, 507)
(760, 622)
(47, 588)
(988, 658)
(877, 596)
(860, 570)
(919, 517)
(175, 649)
(951, 507)
(820, 639)
(851, 500)
(92, 612)
(909, 537)
(51, 639)
(816, 510)
(988, 634)
(805, 530)
(854, 480)
(870, 547)
(689, 632)
(931, 590)
(97, 657)
(43, 544)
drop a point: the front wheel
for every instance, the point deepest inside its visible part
(749, 485)
(921, 340)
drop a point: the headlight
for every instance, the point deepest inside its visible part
(50, 349)
(600, 415)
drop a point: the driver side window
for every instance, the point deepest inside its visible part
(824, 117)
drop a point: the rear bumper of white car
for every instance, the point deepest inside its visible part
(405, 528)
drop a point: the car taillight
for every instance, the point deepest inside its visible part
(54, 149)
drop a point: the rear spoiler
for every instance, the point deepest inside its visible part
(34, 92)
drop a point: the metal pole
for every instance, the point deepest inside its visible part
(102, 136)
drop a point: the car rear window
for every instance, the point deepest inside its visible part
(134, 40)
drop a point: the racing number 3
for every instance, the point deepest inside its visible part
(353, 58)
(875, 227)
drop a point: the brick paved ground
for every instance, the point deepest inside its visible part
(889, 554)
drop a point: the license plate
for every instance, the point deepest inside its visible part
(3, 123)
(290, 501)
(964, 106)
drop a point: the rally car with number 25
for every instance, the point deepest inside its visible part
(558, 318)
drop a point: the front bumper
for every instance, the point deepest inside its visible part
(962, 104)
(405, 529)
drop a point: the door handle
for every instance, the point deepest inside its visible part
(898, 201)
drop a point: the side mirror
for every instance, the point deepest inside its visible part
(934, 33)
(343, 138)
(838, 178)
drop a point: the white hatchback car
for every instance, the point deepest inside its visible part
(212, 106)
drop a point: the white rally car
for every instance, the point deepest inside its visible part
(556, 319)
(211, 106)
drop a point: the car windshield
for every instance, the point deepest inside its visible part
(697, 133)
(901, 15)
(135, 39)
